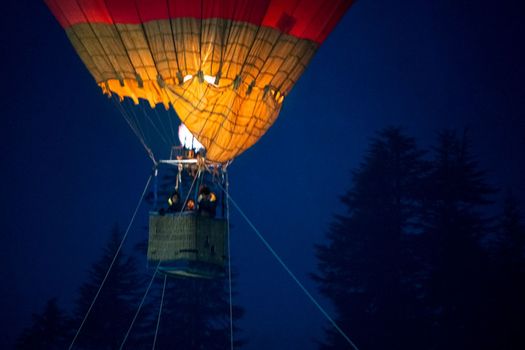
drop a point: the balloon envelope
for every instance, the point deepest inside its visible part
(225, 66)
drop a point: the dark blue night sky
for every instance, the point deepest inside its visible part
(71, 167)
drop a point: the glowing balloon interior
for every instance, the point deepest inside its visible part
(187, 139)
(224, 66)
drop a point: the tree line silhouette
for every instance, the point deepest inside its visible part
(422, 258)
(195, 313)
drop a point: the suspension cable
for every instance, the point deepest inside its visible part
(135, 127)
(292, 275)
(155, 127)
(110, 265)
(138, 310)
(160, 312)
(156, 269)
(229, 261)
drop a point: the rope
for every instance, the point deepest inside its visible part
(128, 104)
(160, 312)
(111, 264)
(138, 311)
(155, 188)
(229, 263)
(155, 127)
(135, 127)
(154, 274)
(292, 275)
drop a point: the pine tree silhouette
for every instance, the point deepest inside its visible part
(505, 306)
(196, 315)
(365, 268)
(456, 194)
(113, 311)
(49, 330)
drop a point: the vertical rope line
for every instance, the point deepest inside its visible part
(233, 47)
(161, 134)
(200, 37)
(154, 273)
(292, 275)
(165, 123)
(172, 39)
(111, 264)
(106, 55)
(155, 187)
(163, 126)
(135, 129)
(132, 123)
(170, 124)
(229, 262)
(174, 121)
(259, 26)
(145, 131)
(147, 41)
(117, 30)
(160, 312)
(138, 310)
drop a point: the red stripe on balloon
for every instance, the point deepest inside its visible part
(305, 19)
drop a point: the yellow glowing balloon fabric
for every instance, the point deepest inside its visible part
(224, 66)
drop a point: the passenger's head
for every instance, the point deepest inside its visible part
(204, 190)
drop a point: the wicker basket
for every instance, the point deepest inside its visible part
(187, 243)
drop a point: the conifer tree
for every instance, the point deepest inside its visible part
(113, 311)
(505, 306)
(456, 194)
(48, 331)
(196, 315)
(366, 268)
(511, 235)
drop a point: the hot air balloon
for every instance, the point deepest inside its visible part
(223, 66)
